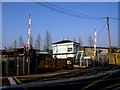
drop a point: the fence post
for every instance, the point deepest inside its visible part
(17, 66)
(7, 67)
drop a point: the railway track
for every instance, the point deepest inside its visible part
(85, 79)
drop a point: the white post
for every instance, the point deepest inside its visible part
(81, 57)
(95, 38)
(17, 66)
(23, 64)
(29, 27)
(87, 62)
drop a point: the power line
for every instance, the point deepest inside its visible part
(73, 11)
(101, 29)
(67, 12)
(57, 10)
(114, 18)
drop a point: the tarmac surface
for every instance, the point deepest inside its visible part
(94, 78)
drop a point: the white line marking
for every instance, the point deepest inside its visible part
(12, 82)
(64, 80)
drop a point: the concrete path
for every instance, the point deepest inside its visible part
(12, 82)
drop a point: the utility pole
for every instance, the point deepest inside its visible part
(109, 35)
(109, 41)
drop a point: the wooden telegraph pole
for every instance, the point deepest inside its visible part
(109, 41)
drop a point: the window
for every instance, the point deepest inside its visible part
(69, 49)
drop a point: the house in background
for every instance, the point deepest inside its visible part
(100, 50)
(65, 49)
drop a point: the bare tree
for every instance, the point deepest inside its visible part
(15, 44)
(31, 42)
(38, 42)
(10, 47)
(21, 43)
(48, 41)
(90, 41)
(74, 40)
(80, 41)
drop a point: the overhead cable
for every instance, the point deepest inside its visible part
(67, 12)
(101, 29)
